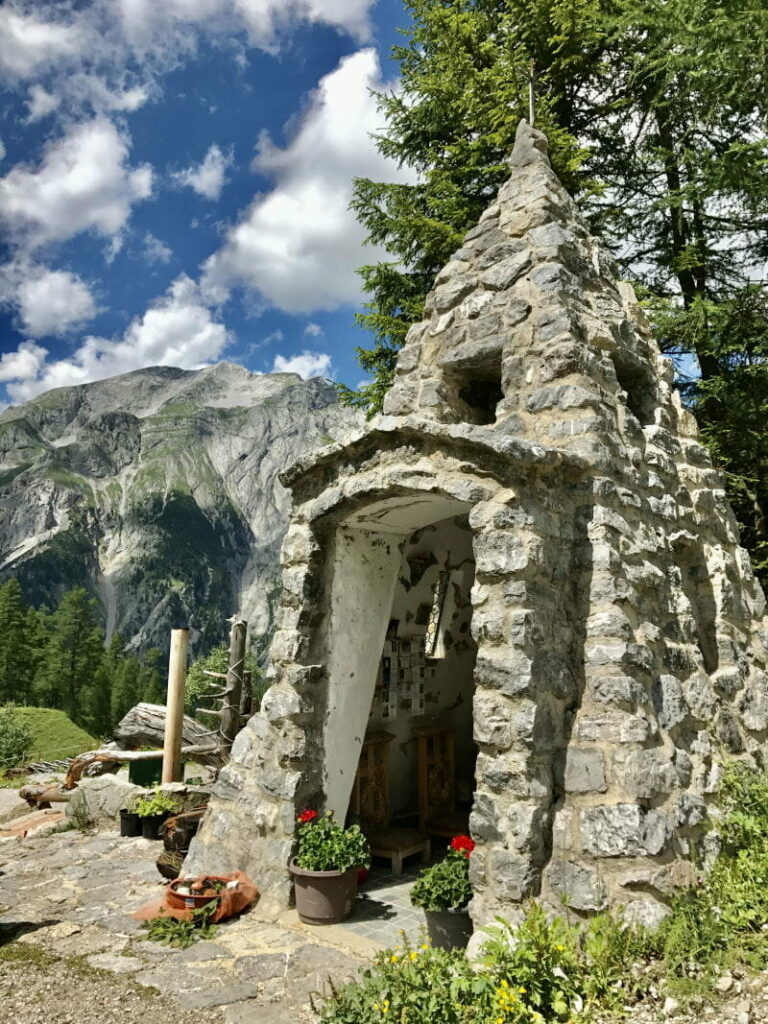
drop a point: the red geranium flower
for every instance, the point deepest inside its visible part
(462, 844)
(306, 816)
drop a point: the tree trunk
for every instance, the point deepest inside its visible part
(144, 726)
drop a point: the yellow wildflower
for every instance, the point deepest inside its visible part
(521, 991)
(394, 958)
(413, 956)
(424, 945)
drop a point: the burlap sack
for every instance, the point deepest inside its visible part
(230, 903)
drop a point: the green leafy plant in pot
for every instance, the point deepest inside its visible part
(153, 811)
(325, 867)
(443, 891)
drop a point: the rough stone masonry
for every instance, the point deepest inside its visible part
(621, 635)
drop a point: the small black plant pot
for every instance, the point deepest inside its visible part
(150, 826)
(130, 824)
(448, 929)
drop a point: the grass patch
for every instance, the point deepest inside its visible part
(54, 735)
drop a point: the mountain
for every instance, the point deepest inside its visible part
(157, 490)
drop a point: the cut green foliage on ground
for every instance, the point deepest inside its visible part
(567, 970)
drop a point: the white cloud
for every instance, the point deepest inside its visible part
(52, 302)
(83, 183)
(299, 246)
(40, 103)
(313, 331)
(28, 42)
(206, 178)
(178, 330)
(47, 302)
(155, 251)
(22, 364)
(308, 364)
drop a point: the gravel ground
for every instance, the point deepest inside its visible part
(40, 988)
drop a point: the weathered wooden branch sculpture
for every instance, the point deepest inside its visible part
(233, 695)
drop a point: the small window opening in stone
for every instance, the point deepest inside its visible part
(432, 634)
(636, 382)
(476, 391)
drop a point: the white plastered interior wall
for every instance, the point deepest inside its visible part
(446, 546)
(365, 563)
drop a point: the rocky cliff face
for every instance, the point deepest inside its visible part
(158, 491)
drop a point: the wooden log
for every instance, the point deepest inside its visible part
(174, 718)
(144, 726)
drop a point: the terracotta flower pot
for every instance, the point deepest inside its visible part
(324, 897)
(449, 929)
(193, 900)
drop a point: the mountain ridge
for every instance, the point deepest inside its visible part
(158, 491)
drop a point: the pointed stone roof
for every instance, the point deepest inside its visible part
(529, 330)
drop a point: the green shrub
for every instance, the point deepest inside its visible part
(545, 974)
(15, 739)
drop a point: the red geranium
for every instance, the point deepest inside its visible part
(462, 844)
(306, 816)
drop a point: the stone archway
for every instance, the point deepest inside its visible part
(340, 558)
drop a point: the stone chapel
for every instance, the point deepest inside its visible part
(515, 600)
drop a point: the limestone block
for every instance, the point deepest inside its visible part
(511, 877)
(585, 771)
(577, 885)
(562, 396)
(449, 295)
(690, 810)
(101, 799)
(645, 774)
(503, 774)
(485, 820)
(617, 691)
(493, 720)
(279, 703)
(499, 553)
(498, 253)
(669, 701)
(504, 274)
(623, 830)
(754, 704)
(509, 675)
(454, 268)
(299, 545)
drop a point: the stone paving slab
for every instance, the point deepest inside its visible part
(72, 894)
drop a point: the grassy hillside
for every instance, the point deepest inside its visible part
(54, 735)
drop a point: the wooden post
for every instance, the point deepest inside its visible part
(246, 698)
(230, 711)
(177, 674)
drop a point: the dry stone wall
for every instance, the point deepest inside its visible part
(621, 634)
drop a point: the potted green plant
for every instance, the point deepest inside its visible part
(443, 892)
(153, 810)
(328, 858)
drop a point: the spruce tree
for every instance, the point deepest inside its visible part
(656, 116)
(15, 656)
(66, 677)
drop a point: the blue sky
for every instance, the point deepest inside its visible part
(174, 184)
